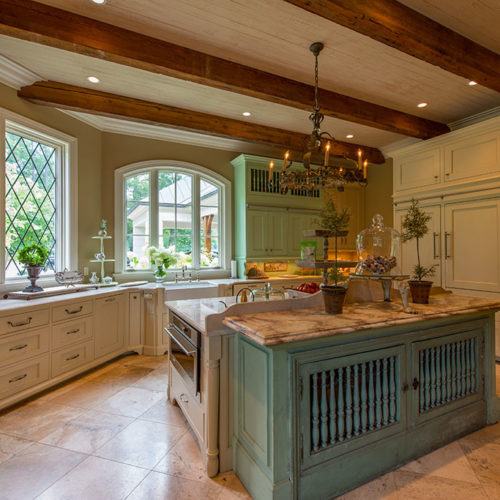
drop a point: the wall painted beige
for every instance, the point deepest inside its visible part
(89, 163)
(119, 150)
(378, 194)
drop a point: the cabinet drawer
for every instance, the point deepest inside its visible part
(23, 345)
(72, 357)
(71, 310)
(31, 319)
(70, 332)
(24, 375)
(188, 404)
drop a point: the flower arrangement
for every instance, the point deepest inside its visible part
(161, 259)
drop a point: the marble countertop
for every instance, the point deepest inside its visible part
(270, 328)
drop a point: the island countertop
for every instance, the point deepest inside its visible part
(270, 328)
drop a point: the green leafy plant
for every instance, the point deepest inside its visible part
(415, 226)
(33, 255)
(333, 220)
(335, 275)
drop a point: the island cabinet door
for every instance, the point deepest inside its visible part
(348, 402)
(447, 372)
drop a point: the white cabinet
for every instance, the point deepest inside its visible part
(297, 223)
(135, 321)
(109, 324)
(471, 245)
(266, 233)
(421, 169)
(429, 245)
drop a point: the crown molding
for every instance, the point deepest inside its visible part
(477, 118)
(14, 75)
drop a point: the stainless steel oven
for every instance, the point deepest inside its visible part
(185, 355)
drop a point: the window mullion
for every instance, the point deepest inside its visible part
(154, 209)
(2, 197)
(195, 221)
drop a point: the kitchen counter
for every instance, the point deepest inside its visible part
(302, 324)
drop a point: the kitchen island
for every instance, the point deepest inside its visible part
(325, 403)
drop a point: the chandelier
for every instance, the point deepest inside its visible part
(322, 145)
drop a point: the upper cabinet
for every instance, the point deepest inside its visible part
(466, 156)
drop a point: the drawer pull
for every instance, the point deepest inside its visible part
(24, 323)
(18, 347)
(75, 311)
(73, 357)
(183, 398)
(17, 379)
(112, 299)
(71, 332)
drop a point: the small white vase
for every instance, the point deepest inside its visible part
(94, 279)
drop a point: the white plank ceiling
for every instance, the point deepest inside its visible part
(274, 36)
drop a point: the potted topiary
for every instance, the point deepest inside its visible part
(335, 222)
(34, 258)
(415, 226)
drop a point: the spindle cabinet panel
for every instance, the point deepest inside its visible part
(349, 402)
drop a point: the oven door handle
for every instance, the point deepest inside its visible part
(175, 338)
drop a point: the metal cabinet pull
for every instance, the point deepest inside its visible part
(446, 256)
(18, 347)
(434, 236)
(73, 357)
(71, 332)
(406, 387)
(75, 311)
(17, 379)
(112, 299)
(415, 384)
(183, 398)
(15, 325)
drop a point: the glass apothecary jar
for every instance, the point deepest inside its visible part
(267, 292)
(378, 248)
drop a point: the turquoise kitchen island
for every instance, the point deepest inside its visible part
(325, 403)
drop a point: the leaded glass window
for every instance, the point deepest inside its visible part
(30, 199)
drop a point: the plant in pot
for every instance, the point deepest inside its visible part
(415, 225)
(34, 258)
(336, 223)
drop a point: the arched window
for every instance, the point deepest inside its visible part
(171, 205)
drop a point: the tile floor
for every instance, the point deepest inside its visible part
(111, 435)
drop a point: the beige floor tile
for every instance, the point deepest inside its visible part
(413, 486)
(10, 445)
(34, 469)
(88, 431)
(36, 420)
(131, 401)
(123, 375)
(486, 435)
(230, 487)
(156, 381)
(383, 487)
(184, 460)
(96, 479)
(448, 461)
(158, 486)
(88, 394)
(142, 443)
(485, 461)
(165, 412)
(147, 361)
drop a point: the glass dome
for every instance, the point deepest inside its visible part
(378, 247)
(267, 292)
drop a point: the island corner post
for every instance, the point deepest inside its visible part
(316, 417)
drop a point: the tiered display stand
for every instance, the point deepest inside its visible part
(324, 264)
(102, 261)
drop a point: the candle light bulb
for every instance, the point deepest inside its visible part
(287, 154)
(327, 153)
(271, 166)
(359, 158)
(365, 164)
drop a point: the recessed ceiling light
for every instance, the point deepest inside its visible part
(246, 113)
(349, 136)
(93, 79)
(100, 2)
(422, 105)
(472, 82)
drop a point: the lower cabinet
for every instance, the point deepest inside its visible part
(72, 357)
(109, 324)
(23, 375)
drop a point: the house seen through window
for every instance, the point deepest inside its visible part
(174, 210)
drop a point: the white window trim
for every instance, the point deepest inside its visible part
(67, 234)
(181, 166)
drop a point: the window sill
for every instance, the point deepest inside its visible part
(16, 285)
(149, 276)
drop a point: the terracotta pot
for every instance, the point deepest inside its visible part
(33, 275)
(420, 291)
(333, 297)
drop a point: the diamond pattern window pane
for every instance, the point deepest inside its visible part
(30, 201)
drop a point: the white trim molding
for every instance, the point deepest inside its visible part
(184, 167)
(14, 75)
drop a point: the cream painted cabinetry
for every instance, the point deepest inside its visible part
(266, 232)
(109, 324)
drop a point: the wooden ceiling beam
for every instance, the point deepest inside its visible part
(406, 30)
(61, 29)
(65, 96)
